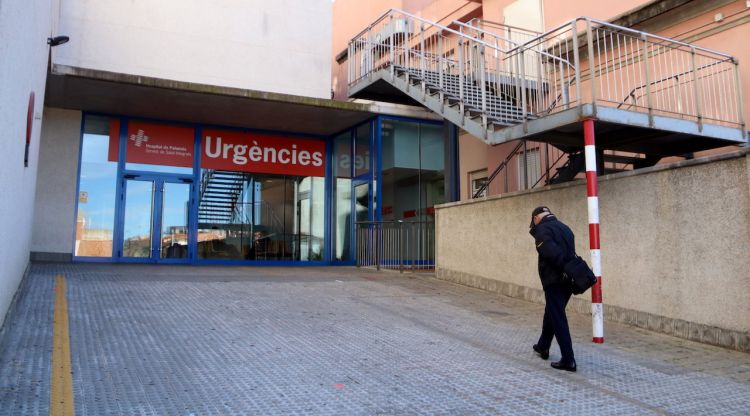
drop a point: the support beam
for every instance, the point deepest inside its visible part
(592, 192)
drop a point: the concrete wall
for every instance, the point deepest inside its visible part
(674, 246)
(275, 46)
(24, 28)
(56, 185)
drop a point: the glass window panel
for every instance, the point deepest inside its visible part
(139, 204)
(342, 204)
(97, 188)
(362, 150)
(400, 174)
(246, 216)
(174, 221)
(226, 215)
(158, 168)
(361, 206)
(432, 168)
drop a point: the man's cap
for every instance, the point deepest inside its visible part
(539, 210)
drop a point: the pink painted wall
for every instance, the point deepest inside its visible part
(473, 157)
(559, 12)
(350, 17)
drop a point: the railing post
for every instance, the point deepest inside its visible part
(483, 87)
(378, 240)
(350, 63)
(647, 75)
(525, 165)
(696, 90)
(461, 77)
(576, 61)
(422, 52)
(400, 246)
(563, 87)
(738, 92)
(357, 245)
(370, 57)
(440, 68)
(407, 59)
(539, 84)
(592, 69)
(393, 51)
(522, 74)
(414, 242)
(497, 69)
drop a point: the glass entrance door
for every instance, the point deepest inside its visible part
(155, 225)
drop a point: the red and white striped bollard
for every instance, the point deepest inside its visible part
(592, 192)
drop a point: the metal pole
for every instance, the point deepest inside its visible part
(461, 77)
(738, 92)
(592, 192)
(525, 166)
(696, 92)
(414, 246)
(522, 74)
(482, 86)
(422, 53)
(576, 62)
(393, 51)
(590, 41)
(400, 246)
(440, 68)
(378, 239)
(649, 98)
(357, 245)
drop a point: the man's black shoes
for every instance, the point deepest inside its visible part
(562, 365)
(540, 352)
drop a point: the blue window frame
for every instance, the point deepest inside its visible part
(370, 175)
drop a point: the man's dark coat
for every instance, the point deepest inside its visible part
(555, 244)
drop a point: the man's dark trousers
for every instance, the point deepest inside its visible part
(555, 322)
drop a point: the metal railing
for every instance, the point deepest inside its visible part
(396, 245)
(511, 76)
(550, 158)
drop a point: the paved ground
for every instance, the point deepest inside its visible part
(166, 340)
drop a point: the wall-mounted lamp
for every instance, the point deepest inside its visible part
(57, 40)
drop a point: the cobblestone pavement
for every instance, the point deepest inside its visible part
(171, 340)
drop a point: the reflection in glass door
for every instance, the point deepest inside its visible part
(139, 218)
(174, 220)
(362, 202)
(155, 225)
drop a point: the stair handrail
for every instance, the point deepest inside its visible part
(529, 32)
(546, 173)
(423, 20)
(603, 61)
(495, 35)
(497, 170)
(632, 94)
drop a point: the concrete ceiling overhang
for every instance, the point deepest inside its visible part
(146, 97)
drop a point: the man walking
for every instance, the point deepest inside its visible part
(555, 244)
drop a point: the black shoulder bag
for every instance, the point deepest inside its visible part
(578, 273)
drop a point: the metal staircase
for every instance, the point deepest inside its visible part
(220, 194)
(651, 96)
